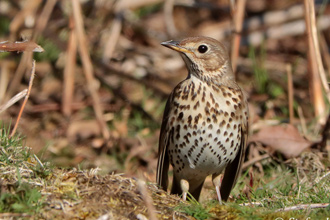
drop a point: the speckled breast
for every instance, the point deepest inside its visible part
(204, 128)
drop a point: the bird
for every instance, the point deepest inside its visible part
(205, 123)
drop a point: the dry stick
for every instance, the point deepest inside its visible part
(43, 18)
(69, 71)
(22, 66)
(147, 199)
(303, 206)
(325, 53)
(13, 100)
(254, 160)
(315, 82)
(20, 17)
(238, 24)
(88, 67)
(302, 121)
(168, 18)
(325, 135)
(317, 52)
(129, 4)
(27, 56)
(4, 78)
(290, 92)
(114, 36)
(26, 98)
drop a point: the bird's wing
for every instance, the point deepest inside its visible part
(233, 169)
(163, 160)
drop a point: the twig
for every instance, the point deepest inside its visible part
(238, 18)
(114, 36)
(69, 71)
(168, 18)
(13, 100)
(303, 206)
(13, 215)
(26, 98)
(313, 57)
(290, 92)
(43, 18)
(254, 160)
(22, 66)
(302, 121)
(325, 135)
(316, 50)
(294, 28)
(147, 199)
(325, 53)
(27, 56)
(21, 16)
(251, 204)
(4, 78)
(88, 67)
(322, 177)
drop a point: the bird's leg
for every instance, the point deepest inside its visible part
(184, 184)
(216, 179)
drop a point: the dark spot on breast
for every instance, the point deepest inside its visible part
(212, 98)
(222, 123)
(189, 120)
(215, 88)
(180, 116)
(207, 111)
(203, 97)
(196, 119)
(214, 117)
(196, 105)
(232, 143)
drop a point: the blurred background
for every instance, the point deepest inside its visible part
(102, 82)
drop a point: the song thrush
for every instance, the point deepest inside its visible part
(205, 123)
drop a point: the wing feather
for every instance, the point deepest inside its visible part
(233, 169)
(163, 160)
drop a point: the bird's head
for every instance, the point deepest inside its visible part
(205, 57)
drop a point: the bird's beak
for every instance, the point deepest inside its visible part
(175, 45)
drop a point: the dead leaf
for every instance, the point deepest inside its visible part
(285, 139)
(24, 46)
(83, 130)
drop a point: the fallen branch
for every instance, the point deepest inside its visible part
(303, 206)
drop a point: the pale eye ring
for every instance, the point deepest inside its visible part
(202, 48)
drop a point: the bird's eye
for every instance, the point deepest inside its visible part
(202, 48)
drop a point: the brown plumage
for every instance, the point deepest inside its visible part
(205, 123)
